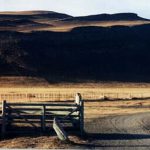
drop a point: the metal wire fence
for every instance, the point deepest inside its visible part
(59, 96)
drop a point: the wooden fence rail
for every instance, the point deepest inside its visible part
(43, 114)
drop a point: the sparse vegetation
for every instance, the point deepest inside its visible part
(94, 110)
(48, 56)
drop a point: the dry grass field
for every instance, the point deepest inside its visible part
(102, 100)
(37, 89)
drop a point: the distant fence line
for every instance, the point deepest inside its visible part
(53, 96)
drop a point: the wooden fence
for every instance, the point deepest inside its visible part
(43, 114)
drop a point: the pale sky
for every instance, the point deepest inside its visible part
(80, 7)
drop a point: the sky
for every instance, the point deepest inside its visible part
(80, 7)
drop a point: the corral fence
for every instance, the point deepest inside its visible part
(43, 114)
(59, 96)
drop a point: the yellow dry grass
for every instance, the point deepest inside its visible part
(94, 108)
(64, 27)
(61, 26)
(37, 89)
(108, 108)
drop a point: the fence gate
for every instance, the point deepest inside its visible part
(42, 114)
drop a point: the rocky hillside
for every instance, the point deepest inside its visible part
(87, 53)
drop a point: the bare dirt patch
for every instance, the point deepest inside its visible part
(42, 142)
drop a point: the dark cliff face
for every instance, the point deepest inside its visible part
(84, 53)
(87, 53)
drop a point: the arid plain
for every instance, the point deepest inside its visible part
(117, 110)
(102, 105)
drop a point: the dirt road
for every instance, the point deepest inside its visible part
(119, 132)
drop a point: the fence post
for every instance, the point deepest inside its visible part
(80, 103)
(3, 129)
(43, 118)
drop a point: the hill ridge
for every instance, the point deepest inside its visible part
(109, 17)
(103, 16)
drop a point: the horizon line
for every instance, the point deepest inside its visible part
(17, 11)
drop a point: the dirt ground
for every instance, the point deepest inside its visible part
(41, 142)
(120, 132)
(109, 124)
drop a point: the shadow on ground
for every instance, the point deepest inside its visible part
(91, 138)
(116, 136)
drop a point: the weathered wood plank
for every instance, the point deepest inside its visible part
(39, 109)
(82, 117)
(23, 109)
(60, 109)
(80, 103)
(46, 121)
(37, 104)
(62, 135)
(3, 128)
(43, 118)
(26, 122)
(78, 98)
(39, 116)
(39, 121)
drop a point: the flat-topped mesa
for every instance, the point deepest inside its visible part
(109, 17)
